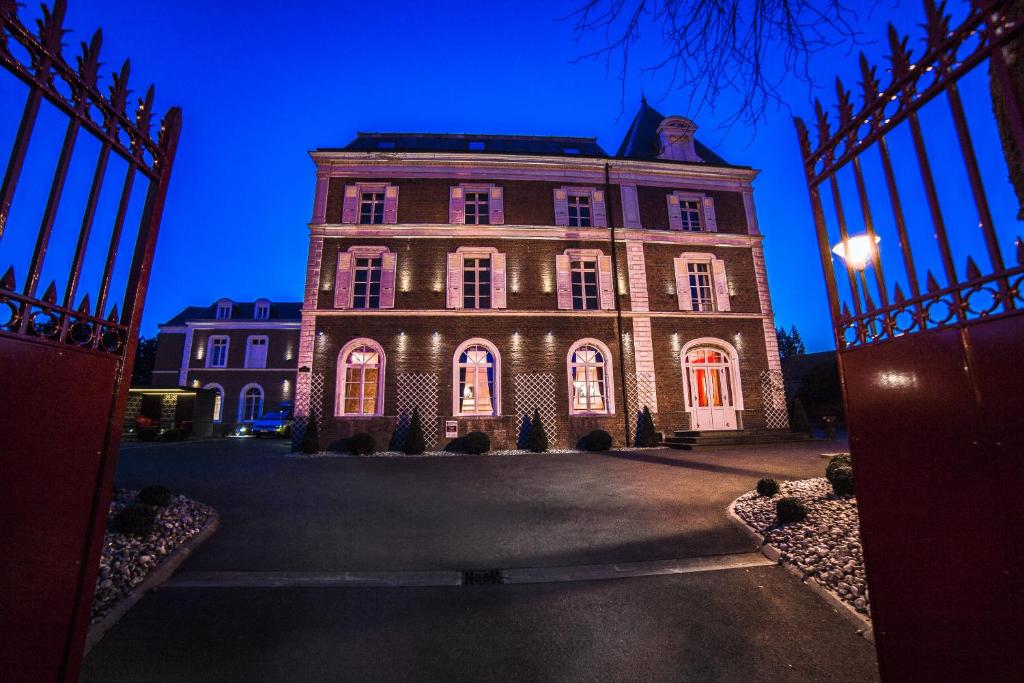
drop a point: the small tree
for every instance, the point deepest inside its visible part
(414, 443)
(311, 437)
(798, 420)
(646, 434)
(537, 439)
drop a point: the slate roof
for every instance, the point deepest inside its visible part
(641, 140)
(484, 144)
(240, 311)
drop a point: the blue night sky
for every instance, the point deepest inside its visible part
(261, 83)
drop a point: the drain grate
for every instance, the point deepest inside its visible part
(482, 577)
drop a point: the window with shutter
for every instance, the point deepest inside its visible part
(454, 290)
(563, 281)
(710, 221)
(600, 209)
(343, 281)
(388, 266)
(604, 271)
(499, 298)
(497, 206)
(456, 205)
(561, 207)
(701, 283)
(391, 204)
(350, 207)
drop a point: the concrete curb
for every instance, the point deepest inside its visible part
(862, 624)
(160, 573)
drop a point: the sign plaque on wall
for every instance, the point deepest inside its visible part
(451, 429)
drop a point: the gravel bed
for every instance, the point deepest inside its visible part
(825, 546)
(452, 454)
(127, 560)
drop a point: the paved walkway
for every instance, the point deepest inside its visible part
(227, 617)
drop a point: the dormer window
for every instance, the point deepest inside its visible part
(571, 150)
(262, 311)
(675, 135)
(224, 310)
(386, 144)
(476, 146)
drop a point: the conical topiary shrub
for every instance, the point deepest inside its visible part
(311, 437)
(646, 434)
(414, 443)
(537, 441)
(798, 420)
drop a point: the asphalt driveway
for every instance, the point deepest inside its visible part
(468, 512)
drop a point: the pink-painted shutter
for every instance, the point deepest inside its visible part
(496, 204)
(630, 207)
(561, 207)
(600, 207)
(710, 222)
(454, 299)
(604, 281)
(456, 205)
(350, 207)
(388, 264)
(320, 199)
(499, 298)
(675, 218)
(683, 285)
(343, 281)
(391, 204)
(563, 282)
(722, 302)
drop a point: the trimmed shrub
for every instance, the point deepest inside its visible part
(310, 438)
(789, 510)
(842, 481)
(174, 434)
(646, 434)
(537, 439)
(134, 520)
(147, 433)
(414, 442)
(837, 461)
(798, 420)
(362, 443)
(475, 443)
(155, 494)
(767, 487)
(597, 440)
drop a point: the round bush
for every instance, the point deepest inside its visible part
(841, 460)
(146, 433)
(789, 510)
(157, 495)
(767, 487)
(134, 520)
(842, 481)
(597, 440)
(362, 443)
(476, 443)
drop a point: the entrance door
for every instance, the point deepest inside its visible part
(709, 378)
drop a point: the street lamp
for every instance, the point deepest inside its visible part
(859, 251)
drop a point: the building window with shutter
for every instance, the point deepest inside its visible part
(478, 207)
(361, 378)
(584, 285)
(589, 378)
(701, 291)
(217, 352)
(477, 372)
(476, 281)
(256, 352)
(366, 276)
(371, 207)
(689, 214)
(579, 210)
(692, 212)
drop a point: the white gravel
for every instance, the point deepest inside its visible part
(452, 454)
(825, 546)
(127, 560)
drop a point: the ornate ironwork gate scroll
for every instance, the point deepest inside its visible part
(66, 356)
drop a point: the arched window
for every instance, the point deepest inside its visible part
(360, 379)
(250, 404)
(477, 379)
(590, 379)
(218, 401)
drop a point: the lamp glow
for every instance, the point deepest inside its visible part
(857, 251)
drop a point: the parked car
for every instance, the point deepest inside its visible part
(275, 423)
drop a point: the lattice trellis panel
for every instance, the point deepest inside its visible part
(311, 386)
(536, 391)
(773, 393)
(638, 384)
(418, 390)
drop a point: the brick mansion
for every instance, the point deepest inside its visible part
(478, 278)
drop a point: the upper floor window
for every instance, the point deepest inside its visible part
(692, 212)
(475, 204)
(701, 283)
(477, 210)
(476, 278)
(223, 310)
(371, 208)
(476, 378)
(360, 378)
(699, 275)
(589, 378)
(262, 310)
(476, 282)
(366, 282)
(217, 352)
(580, 207)
(370, 204)
(256, 351)
(584, 280)
(584, 284)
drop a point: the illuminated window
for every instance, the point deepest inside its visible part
(478, 210)
(701, 292)
(371, 208)
(366, 282)
(579, 210)
(262, 311)
(218, 401)
(256, 351)
(584, 284)
(710, 378)
(477, 372)
(224, 310)
(476, 282)
(589, 377)
(361, 375)
(250, 406)
(217, 352)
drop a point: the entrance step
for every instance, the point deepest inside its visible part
(684, 439)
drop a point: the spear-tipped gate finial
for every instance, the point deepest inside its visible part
(1020, 251)
(112, 317)
(973, 272)
(846, 310)
(84, 307)
(50, 295)
(898, 295)
(7, 281)
(931, 283)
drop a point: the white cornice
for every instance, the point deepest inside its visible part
(235, 325)
(443, 314)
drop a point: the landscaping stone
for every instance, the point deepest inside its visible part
(126, 560)
(825, 546)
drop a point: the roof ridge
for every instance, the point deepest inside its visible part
(504, 136)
